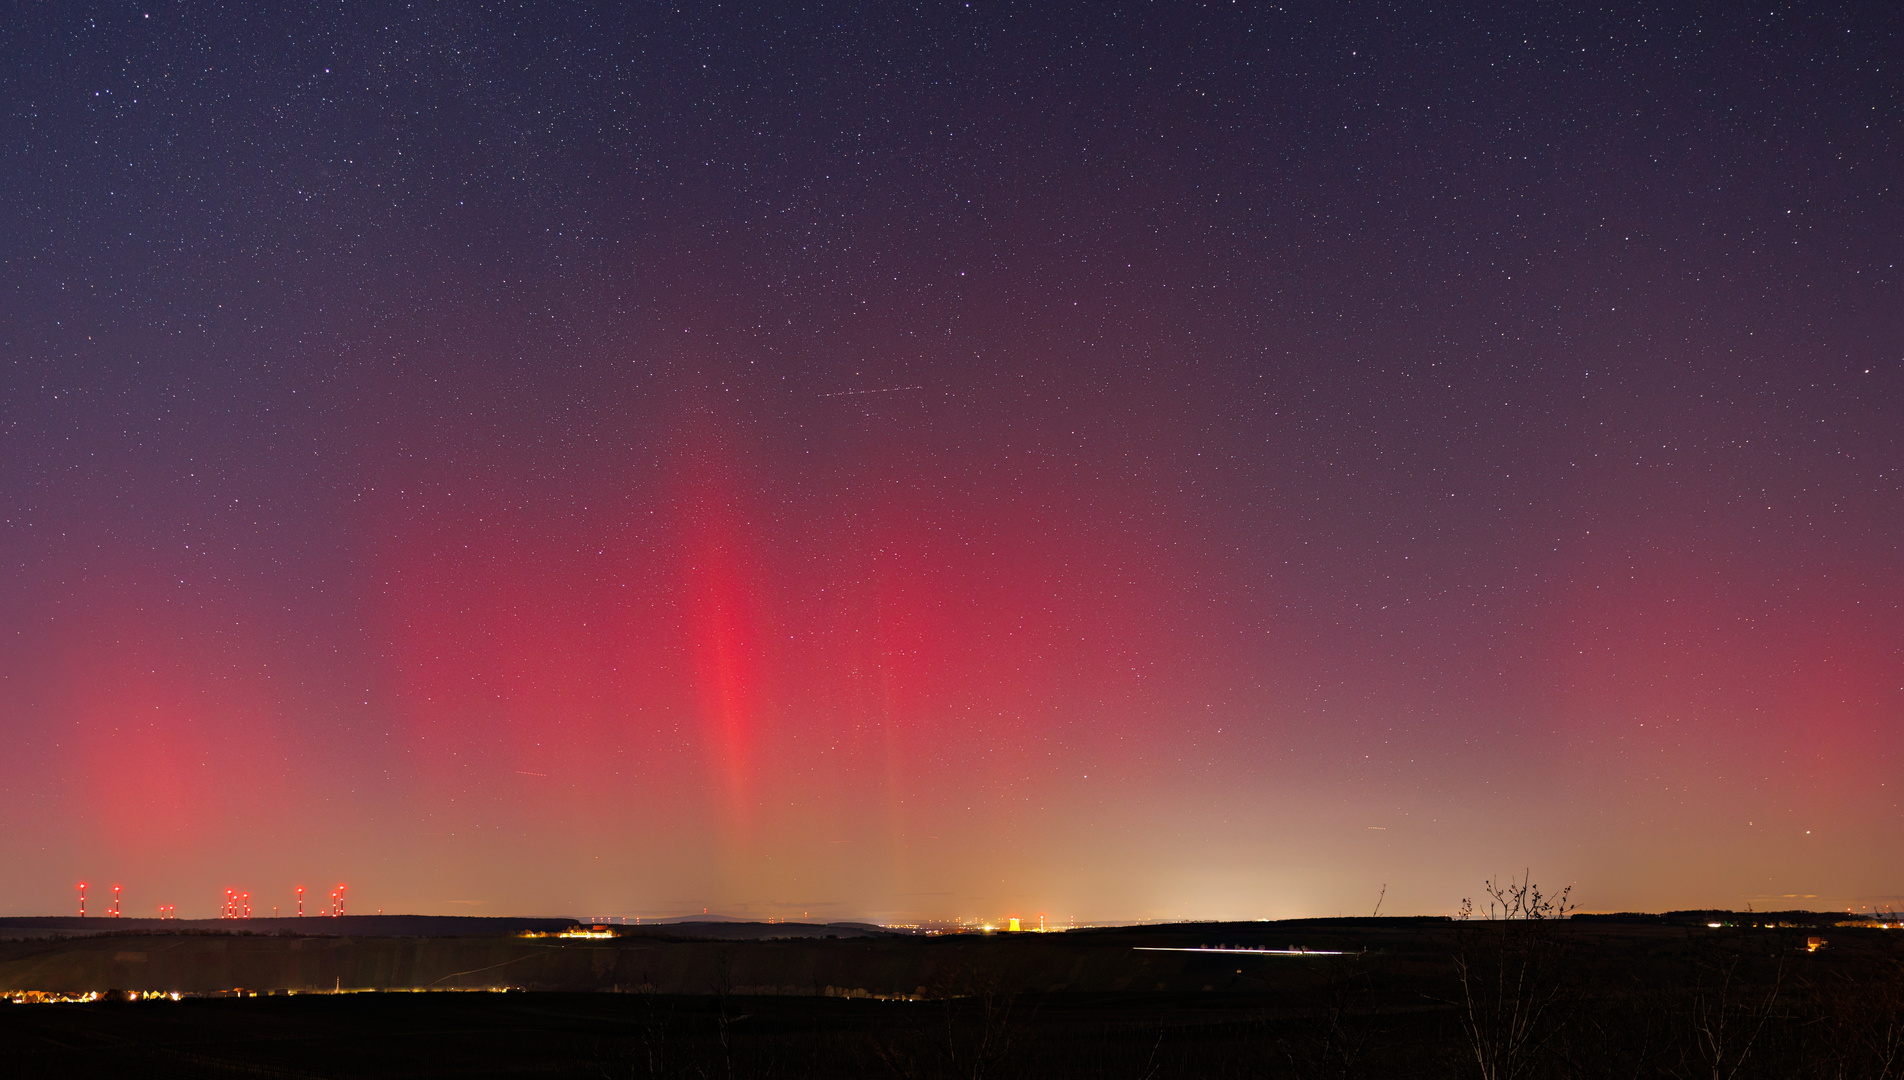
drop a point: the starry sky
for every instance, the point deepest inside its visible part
(1116, 460)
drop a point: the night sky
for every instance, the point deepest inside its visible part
(879, 461)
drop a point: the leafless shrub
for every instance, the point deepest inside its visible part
(980, 1027)
(1728, 1012)
(1325, 1029)
(1618, 1032)
(1512, 977)
(974, 1035)
(1860, 1024)
(642, 1054)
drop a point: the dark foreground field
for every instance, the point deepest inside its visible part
(1415, 998)
(626, 1035)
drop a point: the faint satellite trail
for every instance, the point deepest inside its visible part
(883, 390)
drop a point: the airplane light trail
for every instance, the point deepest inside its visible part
(1250, 952)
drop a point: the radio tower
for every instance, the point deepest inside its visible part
(82, 899)
(115, 902)
(300, 901)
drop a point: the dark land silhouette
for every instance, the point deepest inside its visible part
(1794, 994)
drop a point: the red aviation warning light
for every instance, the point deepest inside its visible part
(82, 899)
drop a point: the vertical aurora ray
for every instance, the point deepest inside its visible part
(172, 726)
(722, 610)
